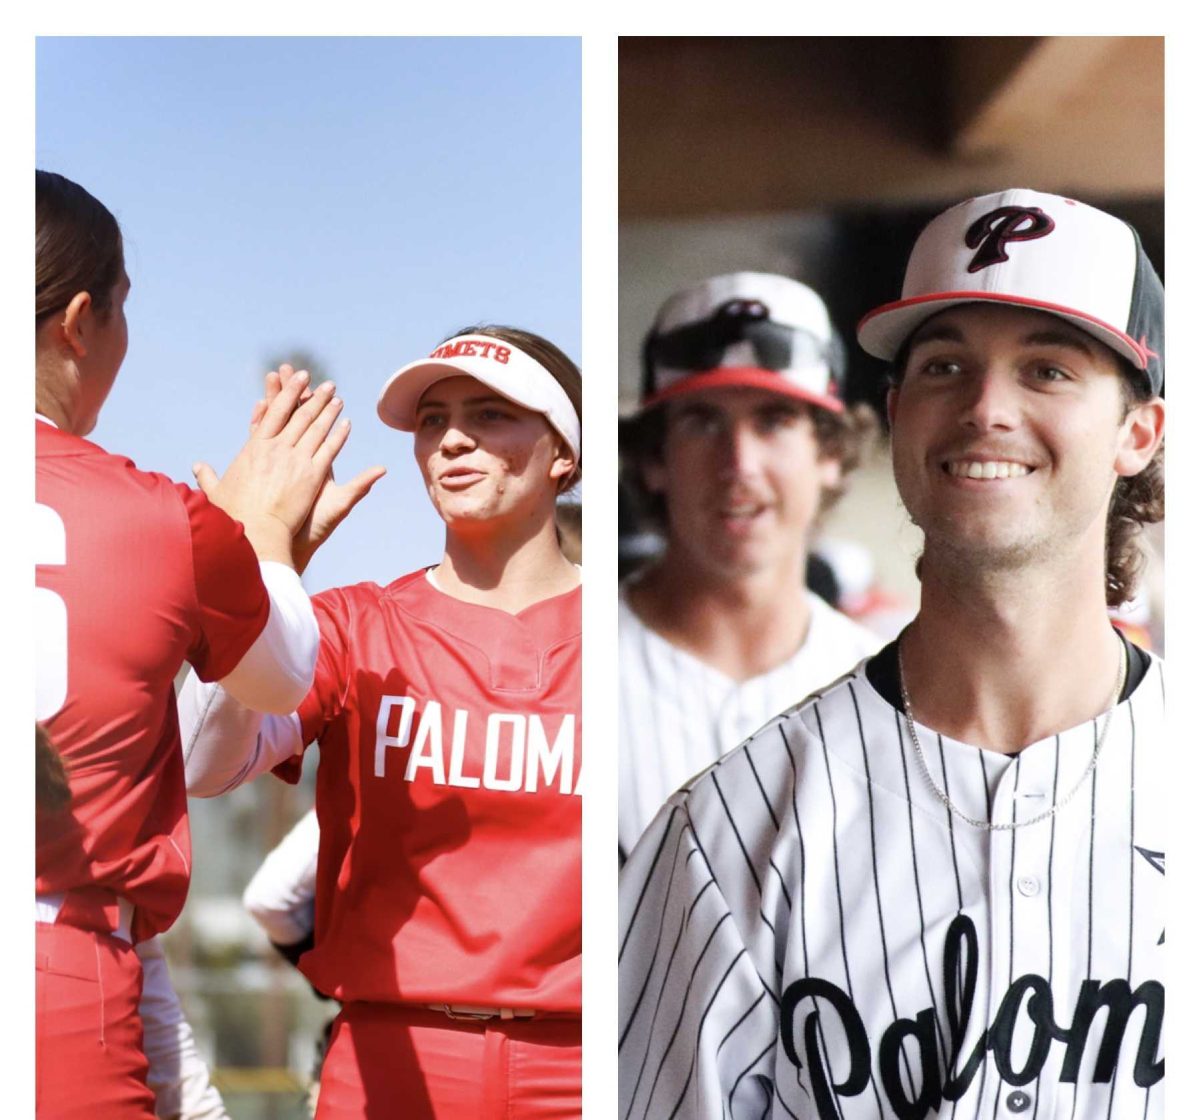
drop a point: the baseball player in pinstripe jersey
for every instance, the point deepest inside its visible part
(742, 441)
(935, 887)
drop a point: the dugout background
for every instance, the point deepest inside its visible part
(822, 158)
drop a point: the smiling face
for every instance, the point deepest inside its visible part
(1009, 430)
(742, 476)
(485, 459)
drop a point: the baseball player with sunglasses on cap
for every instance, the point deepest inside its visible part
(936, 887)
(741, 443)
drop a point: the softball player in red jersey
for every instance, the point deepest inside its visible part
(135, 576)
(447, 710)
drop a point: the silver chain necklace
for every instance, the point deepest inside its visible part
(944, 797)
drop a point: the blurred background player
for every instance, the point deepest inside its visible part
(281, 898)
(742, 441)
(177, 1075)
(446, 706)
(137, 575)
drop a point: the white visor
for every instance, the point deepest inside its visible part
(497, 364)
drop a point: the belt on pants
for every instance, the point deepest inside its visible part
(469, 1011)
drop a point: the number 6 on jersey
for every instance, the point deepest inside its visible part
(50, 615)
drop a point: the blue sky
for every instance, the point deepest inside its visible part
(356, 198)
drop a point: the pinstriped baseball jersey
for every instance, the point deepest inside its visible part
(679, 715)
(806, 931)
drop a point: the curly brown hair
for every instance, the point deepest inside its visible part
(843, 436)
(1136, 501)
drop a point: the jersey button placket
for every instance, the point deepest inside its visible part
(729, 731)
(1001, 907)
(1018, 1101)
(1030, 849)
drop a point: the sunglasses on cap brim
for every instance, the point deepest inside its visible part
(703, 345)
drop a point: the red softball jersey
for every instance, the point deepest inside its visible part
(135, 575)
(448, 798)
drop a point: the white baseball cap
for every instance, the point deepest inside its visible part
(744, 329)
(496, 363)
(1039, 251)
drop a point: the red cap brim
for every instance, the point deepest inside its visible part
(743, 377)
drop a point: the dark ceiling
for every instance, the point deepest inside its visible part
(879, 134)
(718, 126)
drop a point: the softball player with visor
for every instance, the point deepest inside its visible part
(446, 706)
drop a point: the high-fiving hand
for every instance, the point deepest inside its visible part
(333, 501)
(273, 483)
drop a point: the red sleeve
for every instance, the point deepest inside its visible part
(232, 603)
(328, 693)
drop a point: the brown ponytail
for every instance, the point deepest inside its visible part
(79, 247)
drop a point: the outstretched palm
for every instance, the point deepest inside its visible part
(334, 501)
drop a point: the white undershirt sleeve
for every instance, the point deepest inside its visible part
(280, 896)
(276, 672)
(225, 743)
(178, 1075)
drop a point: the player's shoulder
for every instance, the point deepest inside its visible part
(83, 455)
(345, 616)
(834, 693)
(351, 598)
(772, 759)
(409, 589)
(368, 598)
(84, 474)
(53, 443)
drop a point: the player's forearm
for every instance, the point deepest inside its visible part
(280, 895)
(226, 744)
(282, 927)
(276, 672)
